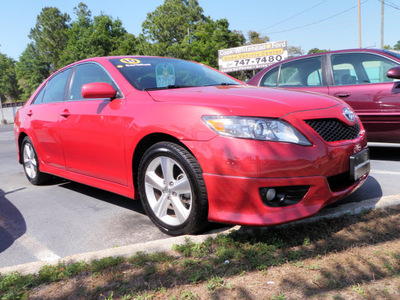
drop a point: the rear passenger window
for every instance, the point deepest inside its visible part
(55, 89)
(290, 77)
(314, 79)
(39, 96)
(301, 73)
(270, 79)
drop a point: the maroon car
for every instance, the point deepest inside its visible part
(367, 79)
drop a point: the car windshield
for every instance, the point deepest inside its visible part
(393, 53)
(155, 73)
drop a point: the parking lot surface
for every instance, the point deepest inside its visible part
(46, 223)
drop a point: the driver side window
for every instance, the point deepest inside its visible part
(360, 68)
(300, 73)
(87, 73)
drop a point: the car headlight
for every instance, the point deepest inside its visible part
(256, 129)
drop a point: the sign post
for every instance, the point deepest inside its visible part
(251, 57)
(2, 121)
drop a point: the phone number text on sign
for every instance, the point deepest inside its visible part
(251, 63)
(258, 60)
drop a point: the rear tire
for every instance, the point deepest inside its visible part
(30, 163)
(172, 189)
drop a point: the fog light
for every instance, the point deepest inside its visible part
(283, 195)
(270, 195)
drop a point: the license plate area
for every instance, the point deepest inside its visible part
(359, 164)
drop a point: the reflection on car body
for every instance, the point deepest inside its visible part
(192, 143)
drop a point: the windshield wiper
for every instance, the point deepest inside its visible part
(222, 83)
(171, 86)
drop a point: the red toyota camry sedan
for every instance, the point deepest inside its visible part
(194, 144)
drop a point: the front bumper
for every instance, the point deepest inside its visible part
(236, 200)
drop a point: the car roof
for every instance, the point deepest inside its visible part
(353, 50)
(367, 50)
(380, 51)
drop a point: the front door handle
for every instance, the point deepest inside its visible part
(65, 113)
(342, 95)
(29, 113)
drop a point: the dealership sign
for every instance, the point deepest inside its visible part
(252, 56)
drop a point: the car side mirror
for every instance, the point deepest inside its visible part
(394, 73)
(98, 90)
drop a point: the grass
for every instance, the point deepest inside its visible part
(355, 257)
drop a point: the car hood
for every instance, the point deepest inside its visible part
(247, 100)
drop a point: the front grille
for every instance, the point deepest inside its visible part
(332, 130)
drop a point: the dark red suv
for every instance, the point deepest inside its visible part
(367, 79)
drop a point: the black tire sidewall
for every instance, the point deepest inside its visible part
(186, 161)
(40, 177)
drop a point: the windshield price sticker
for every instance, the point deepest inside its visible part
(251, 57)
(165, 75)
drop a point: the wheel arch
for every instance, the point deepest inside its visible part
(144, 144)
(21, 137)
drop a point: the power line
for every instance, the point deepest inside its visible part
(390, 4)
(317, 22)
(308, 9)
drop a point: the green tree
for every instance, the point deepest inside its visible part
(294, 51)
(316, 50)
(50, 35)
(397, 46)
(107, 35)
(209, 37)
(8, 80)
(127, 45)
(178, 28)
(170, 27)
(98, 36)
(77, 47)
(32, 69)
(172, 21)
(255, 37)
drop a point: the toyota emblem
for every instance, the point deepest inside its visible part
(349, 114)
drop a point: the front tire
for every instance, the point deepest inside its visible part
(30, 163)
(172, 189)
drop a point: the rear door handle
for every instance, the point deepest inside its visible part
(65, 113)
(29, 113)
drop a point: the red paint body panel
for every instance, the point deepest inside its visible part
(93, 141)
(246, 100)
(99, 148)
(98, 90)
(231, 203)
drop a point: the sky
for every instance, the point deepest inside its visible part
(323, 24)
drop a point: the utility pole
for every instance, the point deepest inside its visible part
(359, 23)
(382, 22)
